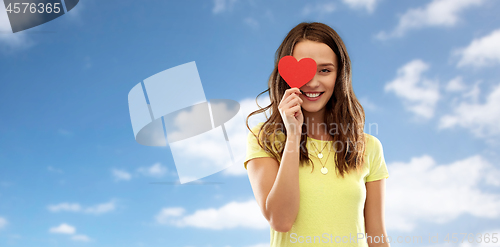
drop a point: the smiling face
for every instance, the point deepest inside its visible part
(326, 74)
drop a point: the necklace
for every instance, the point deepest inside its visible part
(324, 170)
(320, 155)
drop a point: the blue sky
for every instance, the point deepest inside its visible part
(71, 173)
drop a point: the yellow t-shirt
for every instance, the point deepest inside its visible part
(331, 211)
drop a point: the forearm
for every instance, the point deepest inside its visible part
(283, 200)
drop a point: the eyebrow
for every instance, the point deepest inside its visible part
(326, 64)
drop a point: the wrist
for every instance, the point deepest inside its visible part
(293, 137)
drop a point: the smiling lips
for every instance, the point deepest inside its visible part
(312, 96)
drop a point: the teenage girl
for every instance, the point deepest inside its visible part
(318, 179)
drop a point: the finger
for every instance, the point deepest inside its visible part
(291, 97)
(301, 100)
(292, 110)
(289, 92)
(292, 102)
(296, 91)
(286, 94)
(295, 109)
(288, 99)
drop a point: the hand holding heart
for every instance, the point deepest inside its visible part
(296, 74)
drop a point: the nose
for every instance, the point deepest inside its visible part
(313, 83)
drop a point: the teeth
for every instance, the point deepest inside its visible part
(312, 95)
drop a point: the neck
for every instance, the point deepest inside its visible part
(316, 126)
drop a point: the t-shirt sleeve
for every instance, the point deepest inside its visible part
(378, 168)
(254, 150)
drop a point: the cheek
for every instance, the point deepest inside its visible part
(334, 79)
(332, 85)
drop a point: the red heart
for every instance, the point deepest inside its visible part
(296, 74)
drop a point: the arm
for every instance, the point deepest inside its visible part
(374, 213)
(276, 188)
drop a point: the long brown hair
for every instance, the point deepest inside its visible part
(343, 108)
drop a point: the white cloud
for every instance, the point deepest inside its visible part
(209, 150)
(3, 222)
(232, 215)
(80, 238)
(419, 94)
(481, 52)
(120, 175)
(71, 207)
(69, 230)
(259, 245)
(239, 133)
(318, 8)
(187, 123)
(11, 41)
(423, 191)
(251, 22)
(473, 92)
(455, 85)
(76, 207)
(156, 170)
(166, 213)
(480, 118)
(222, 6)
(63, 229)
(201, 155)
(101, 208)
(369, 5)
(367, 103)
(438, 13)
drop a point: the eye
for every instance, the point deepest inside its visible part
(325, 70)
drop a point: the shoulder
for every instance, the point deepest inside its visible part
(255, 129)
(373, 144)
(371, 139)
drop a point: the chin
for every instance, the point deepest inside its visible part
(316, 109)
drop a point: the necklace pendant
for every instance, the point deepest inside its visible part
(324, 170)
(320, 155)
